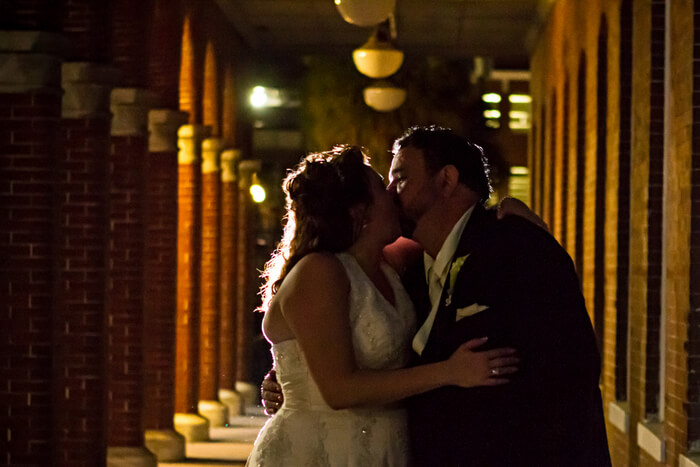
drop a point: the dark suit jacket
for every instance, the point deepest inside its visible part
(550, 414)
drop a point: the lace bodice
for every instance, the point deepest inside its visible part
(306, 431)
(380, 335)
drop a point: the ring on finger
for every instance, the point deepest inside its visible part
(494, 371)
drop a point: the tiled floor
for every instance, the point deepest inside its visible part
(228, 446)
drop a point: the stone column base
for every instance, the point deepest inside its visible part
(249, 393)
(193, 427)
(130, 457)
(233, 401)
(214, 411)
(167, 445)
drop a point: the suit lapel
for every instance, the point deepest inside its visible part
(445, 316)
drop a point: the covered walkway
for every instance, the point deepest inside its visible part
(130, 245)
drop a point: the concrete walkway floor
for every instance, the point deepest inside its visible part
(228, 446)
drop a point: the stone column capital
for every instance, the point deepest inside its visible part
(211, 150)
(246, 169)
(87, 87)
(31, 61)
(229, 160)
(130, 107)
(189, 137)
(163, 125)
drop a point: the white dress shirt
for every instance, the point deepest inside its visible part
(436, 272)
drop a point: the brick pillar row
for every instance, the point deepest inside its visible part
(125, 316)
(159, 286)
(81, 216)
(209, 405)
(227, 281)
(187, 421)
(30, 109)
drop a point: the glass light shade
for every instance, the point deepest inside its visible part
(365, 12)
(383, 96)
(377, 59)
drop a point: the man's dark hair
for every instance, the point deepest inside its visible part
(441, 147)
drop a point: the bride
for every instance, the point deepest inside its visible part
(340, 325)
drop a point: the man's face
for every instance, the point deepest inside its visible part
(413, 185)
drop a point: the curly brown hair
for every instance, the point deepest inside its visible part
(320, 193)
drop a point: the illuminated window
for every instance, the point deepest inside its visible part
(265, 97)
(491, 98)
(519, 183)
(492, 115)
(519, 114)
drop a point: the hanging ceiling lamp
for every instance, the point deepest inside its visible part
(365, 12)
(378, 58)
(383, 96)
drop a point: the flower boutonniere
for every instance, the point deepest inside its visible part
(455, 267)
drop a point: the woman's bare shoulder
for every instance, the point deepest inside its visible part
(314, 273)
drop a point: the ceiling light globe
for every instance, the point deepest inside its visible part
(383, 96)
(377, 62)
(365, 12)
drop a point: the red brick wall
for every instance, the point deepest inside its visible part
(676, 226)
(227, 334)
(87, 24)
(125, 290)
(694, 315)
(131, 26)
(637, 200)
(29, 124)
(79, 319)
(160, 266)
(188, 288)
(245, 279)
(164, 60)
(209, 327)
(228, 111)
(211, 96)
(31, 15)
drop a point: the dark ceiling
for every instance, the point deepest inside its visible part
(502, 30)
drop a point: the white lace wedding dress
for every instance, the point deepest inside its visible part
(306, 431)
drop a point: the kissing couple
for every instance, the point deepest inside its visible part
(477, 351)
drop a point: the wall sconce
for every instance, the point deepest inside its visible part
(383, 96)
(365, 12)
(257, 192)
(377, 58)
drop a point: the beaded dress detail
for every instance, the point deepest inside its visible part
(306, 431)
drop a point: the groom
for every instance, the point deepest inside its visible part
(507, 280)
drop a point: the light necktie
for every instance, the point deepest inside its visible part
(435, 291)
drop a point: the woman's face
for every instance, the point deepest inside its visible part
(383, 213)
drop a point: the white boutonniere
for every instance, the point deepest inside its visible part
(455, 267)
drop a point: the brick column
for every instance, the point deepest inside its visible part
(125, 287)
(209, 406)
(245, 279)
(160, 266)
(227, 287)
(30, 108)
(187, 422)
(82, 216)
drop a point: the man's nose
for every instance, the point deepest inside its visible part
(391, 187)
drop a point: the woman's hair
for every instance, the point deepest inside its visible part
(320, 193)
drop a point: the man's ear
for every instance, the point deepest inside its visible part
(449, 179)
(358, 213)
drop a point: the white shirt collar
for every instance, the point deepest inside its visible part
(444, 257)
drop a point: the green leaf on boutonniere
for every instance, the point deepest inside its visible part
(455, 267)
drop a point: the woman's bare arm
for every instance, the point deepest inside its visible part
(315, 306)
